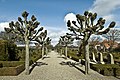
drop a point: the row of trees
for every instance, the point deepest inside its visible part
(65, 41)
(83, 28)
(27, 30)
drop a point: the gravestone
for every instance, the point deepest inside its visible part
(110, 59)
(70, 57)
(100, 58)
(79, 60)
(93, 57)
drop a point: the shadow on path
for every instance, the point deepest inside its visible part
(62, 57)
(37, 64)
(73, 64)
(45, 57)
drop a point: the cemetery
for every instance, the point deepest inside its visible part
(27, 53)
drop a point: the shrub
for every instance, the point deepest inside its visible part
(11, 63)
(8, 51)
(117, 71)
(12, 52)
(12, 71)
(31, 62)
(1, 65)
(11, 68)
(106, 69)
(3, 50)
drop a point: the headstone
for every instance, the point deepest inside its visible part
(79, 60)
(93, 57)
(100, 58)
(110, 59)
(70, 57)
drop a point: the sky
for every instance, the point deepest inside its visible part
(53, 14)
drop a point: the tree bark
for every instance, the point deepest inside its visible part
(46, 51)
(61, 52)
(27, 56)
(66, 51)
(87, 61)
(42, 51)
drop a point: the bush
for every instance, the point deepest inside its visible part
(1, 65)
(11, 68)
(106, 69)
(11, 63)
(3, 50)
(8, 51)
(12, 71)
(12, 52)
(117, 71)
(31, 62)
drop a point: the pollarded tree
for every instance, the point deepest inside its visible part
(65, 40)
(47, 44)
(43, 40)
(84, 27)
(59, 46)
(26, 30)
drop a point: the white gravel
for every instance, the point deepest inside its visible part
(51, 69)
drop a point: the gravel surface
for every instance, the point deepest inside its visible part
(54, 67)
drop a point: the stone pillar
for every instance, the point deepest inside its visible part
(70, 57)
(110, 59)
(93, 57)
(100, 58)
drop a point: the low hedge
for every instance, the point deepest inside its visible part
(11, 68)
(11, 63)
(107, 69)
(34, 59)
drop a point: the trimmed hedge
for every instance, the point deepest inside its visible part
(8, 51)
(107, 69)
(11, 68)
(11, 71)
(36, 54)
(11, 63)
(1, 65)
(3, 50)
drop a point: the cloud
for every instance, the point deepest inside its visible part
(71, 17)
(3, 25)
(55, 32)
(105, 7)
(109, 17)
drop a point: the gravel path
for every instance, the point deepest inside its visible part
(53, 67)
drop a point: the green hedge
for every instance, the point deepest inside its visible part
(12, 71)
(35, 55)
(11, 68)
(107, 69)
(74, 55)
(3, 50)
(8, 51)
(11, 63)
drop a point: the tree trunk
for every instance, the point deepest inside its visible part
(27, 56)
(46, 51)
(87, 63)
(66, 51)
(61, 52)
(42, 51)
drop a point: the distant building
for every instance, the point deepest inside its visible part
(105, 45)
